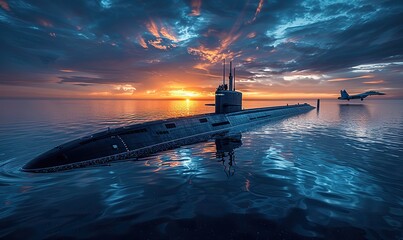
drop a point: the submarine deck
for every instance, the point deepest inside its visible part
(219, 122)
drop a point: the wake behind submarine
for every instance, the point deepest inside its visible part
(140, 140)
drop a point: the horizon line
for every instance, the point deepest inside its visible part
(176, 99)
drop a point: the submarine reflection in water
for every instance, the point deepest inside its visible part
(225, 146)
(140, 140)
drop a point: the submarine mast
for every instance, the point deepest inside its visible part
(223, 73)
(230, 76)
(234, 78)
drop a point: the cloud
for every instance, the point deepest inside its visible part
(163, 36)
(126, 89)
(142, 42)
(80, 80)
(349, 79)
(157, 43)
(168, 33)
(67, 70)
(4, 5)
(374, 82)
(258, 9)
(196, 4)
(153, 29)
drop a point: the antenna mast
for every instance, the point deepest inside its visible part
(230, 76)
(223, 75)
(234, 78)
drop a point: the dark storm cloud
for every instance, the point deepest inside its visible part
(371, 41)
(118, 41)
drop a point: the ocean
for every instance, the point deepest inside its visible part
(336, 173)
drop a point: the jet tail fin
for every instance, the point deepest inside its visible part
(344, 94)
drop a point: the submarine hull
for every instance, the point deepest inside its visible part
(140, 140)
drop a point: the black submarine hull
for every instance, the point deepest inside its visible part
(140, 140)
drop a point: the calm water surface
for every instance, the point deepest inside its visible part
(336, 174)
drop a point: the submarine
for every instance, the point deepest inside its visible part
(140, 140)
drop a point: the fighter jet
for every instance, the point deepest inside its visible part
(345, 96)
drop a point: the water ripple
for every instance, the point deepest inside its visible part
(331, 172)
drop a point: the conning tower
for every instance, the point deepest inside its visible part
(227, 100)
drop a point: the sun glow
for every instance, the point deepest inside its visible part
(183, 93)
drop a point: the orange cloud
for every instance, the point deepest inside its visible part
(153, 29)
(159, 33)
(141, 41)
(151, 91)
(125, 90)
(205, 53)
(251, 35)
(4, 5)
(348, 79)
(67, 70)
(196, 4)
(202, 66)
(374, 82)
(250, 59)
(229, 40)
(157, 44)
(103, 94)
(216, 54)
(258, 9)
(167, 33)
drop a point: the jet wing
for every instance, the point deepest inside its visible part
(366, 94)
(359, 96)
(373, 93)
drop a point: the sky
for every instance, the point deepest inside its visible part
(165, 49)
